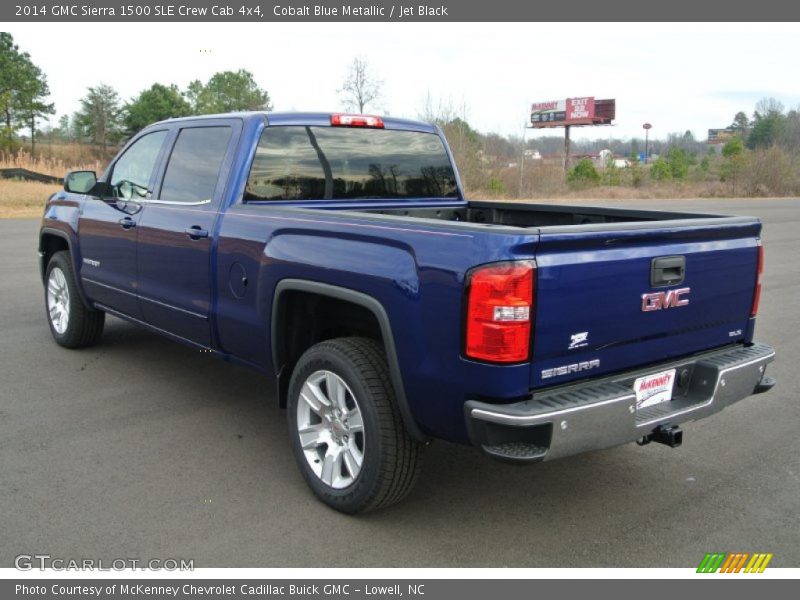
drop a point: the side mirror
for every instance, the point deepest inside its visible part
(80, 182)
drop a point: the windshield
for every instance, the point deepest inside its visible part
(331, 163)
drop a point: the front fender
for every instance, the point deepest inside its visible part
(60, 219)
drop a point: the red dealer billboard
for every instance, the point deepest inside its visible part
(572, 111)
(580, 108)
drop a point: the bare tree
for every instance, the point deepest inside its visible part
(361, 86)
(465, 143)
(767, 107)
(789, 135)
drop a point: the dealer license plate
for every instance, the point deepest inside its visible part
(654, 389)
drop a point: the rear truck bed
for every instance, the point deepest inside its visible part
(640, 321)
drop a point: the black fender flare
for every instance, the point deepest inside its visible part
(372, 305)
(43, 267)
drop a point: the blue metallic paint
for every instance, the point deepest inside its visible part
(589, 285)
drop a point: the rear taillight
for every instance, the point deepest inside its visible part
(499, 311)
(759, 271)
(357, 121)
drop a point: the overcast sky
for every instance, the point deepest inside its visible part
(675, 76)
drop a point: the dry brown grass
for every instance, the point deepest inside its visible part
(23, 199)
(709, 189)
(704, 189)
(68, 158)
(75, 154)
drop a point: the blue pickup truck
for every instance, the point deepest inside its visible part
(338, 255)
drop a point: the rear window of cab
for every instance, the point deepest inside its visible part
(295, 162)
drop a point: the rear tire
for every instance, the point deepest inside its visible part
(72, 324)
(346, 430)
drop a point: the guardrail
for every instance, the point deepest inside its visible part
(25, 174)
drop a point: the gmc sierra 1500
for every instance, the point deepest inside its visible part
(338, 255)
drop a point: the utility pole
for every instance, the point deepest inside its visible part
(522, 160)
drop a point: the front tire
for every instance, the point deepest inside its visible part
(346, 430)
(72, 324)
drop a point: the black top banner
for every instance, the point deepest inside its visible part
(399, 11)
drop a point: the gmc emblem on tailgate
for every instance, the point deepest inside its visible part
(668, 299)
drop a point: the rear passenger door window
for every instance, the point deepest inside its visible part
(194, 165)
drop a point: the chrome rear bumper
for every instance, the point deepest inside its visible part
(602, 413)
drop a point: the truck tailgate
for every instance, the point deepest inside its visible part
(609, 298)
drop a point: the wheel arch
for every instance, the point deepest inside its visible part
(278, 344)
(53, 240)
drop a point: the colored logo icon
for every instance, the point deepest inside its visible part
(734, 562)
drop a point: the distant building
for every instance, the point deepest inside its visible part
(606, 158)
(532, 154)
(720, 136)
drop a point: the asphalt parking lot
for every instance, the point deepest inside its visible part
(143, 448)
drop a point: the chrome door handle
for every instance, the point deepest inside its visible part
(196, 232)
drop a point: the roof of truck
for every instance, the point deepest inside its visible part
(319, 119)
